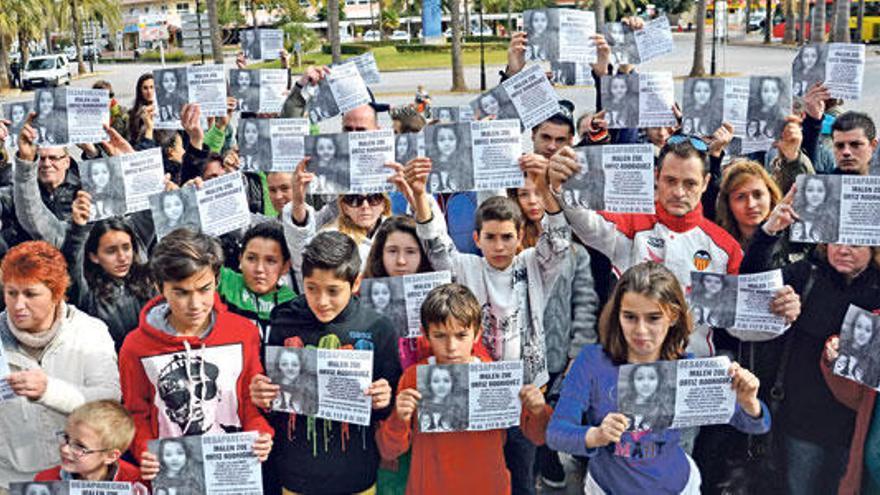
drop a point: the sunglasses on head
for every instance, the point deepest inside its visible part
(695, 141)
(358, 199)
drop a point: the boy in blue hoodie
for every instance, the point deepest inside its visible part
(335, 458)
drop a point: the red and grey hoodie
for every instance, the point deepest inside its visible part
(175, 386)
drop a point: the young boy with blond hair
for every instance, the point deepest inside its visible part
(94, 438)
(461, 461)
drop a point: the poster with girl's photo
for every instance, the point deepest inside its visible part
(102, 180)
(817, 203)
(859, 348)
(76, 487)
(769, 104)
(172, 93)
(528, 96)
(174, 88)
(713, 299)
(254, 144)
(703, 106)
(329, 163)
(444, 405)
(620, 100)
(646, 394)
(400, 298)
(839, 66)
(70, 115)
(244, 86)
(174, 210)
(295, 370)
(542, 30)
(16, 113)
(622, 41)
(408, 146)
(449, 148)
(39, 488)
(122, 184)
(807, 68)
(206, 464)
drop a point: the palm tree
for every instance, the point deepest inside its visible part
(699, 67)
(599, 9)
(802, 22)
(768, 20)
(216, 34)
(77, 35)
(458, 83)
(333, 30)
(788, 36)
(817, 26)
(840, 28)
(860, 21)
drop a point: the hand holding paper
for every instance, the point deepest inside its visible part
(516, 53)
(746, 386)
(313, 75)
(380, 391)
(814, 100)
(562, 166)
(406, 403)
(783, 215)
(610, 431)
(301, 180)
(26, 139)
(720, 139)
(603, 54)
(116, 145)
(149, 466)
(532, 399)
(787, 304)
(262, 446)
(190, 116)
(263, 391)
(81, 208)
(832, 348)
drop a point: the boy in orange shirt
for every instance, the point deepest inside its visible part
(461, 461)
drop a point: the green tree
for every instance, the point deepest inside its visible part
(297, 32)
(674, 6)
(390, 19)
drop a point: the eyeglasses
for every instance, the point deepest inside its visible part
(77, 449)
(695, 141)
(355, 200)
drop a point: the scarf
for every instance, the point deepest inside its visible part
(35, 342)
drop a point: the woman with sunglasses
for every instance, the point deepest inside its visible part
(359, 217)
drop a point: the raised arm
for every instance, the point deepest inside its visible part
(73, 248)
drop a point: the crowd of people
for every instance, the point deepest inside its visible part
(116, 339)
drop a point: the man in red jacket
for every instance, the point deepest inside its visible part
(185, 370)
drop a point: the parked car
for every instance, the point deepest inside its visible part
(46, 70)
(372, 35)
(399, 36)
(87, 51)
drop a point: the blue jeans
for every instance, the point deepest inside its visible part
(519, 453)
(811, 468)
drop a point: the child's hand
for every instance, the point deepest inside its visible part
(532, 399)
(746, 386)
(262, 446)
(407, 403)
(380, 390)
(416, 172)
(149, 466)
(832, 348)
(609, 431)
(263, 391)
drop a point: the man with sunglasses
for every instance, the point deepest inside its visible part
(676, 235)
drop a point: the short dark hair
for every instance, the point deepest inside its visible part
(557, 119)
(682, 149)
(184, 252)
(332, 251)
(848, 121)
(267, 230)
(500, 208)
(451, 301)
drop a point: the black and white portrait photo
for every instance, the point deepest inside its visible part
(542, 29)
(322, 105)
(445, 115)
(444, 404)
(646, 394)
(586, 189)
(817, 203)
(713, 299)
(859, 355)
(250, 44)
(172, 92)
(174, 210)
(620, 100)
(295, 370)
(703, 109)
(495, 104)
(329, 162)
(769, 104)
(245, 88)
(622, 42)
(254, 145)
(386, 296)
(102, 179)
(39, 488)
(807, 68)
(406, 147)
(181, 470)
(16, 113)
(51, 120)
(449, 148)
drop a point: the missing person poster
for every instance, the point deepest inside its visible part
(350, 162)
(366, 65)
(258, 91)
(617, 178)
(769, 103)
(840, 209)
(202, 84)
(676, 394)
(859, 348)
(271, 145)
(70, 115)
(560, 35)
(481, 155)
(217, 207)
(638, 100)
(6, 392)
(736, 301)
(400, 298)
(16, 113)
(122, 184)
(469, 397)
(74, 487)
(630, 46)
(208, 465)
(451, 115)
(572, 74)
(527, 96)
(840, 66)
(262, 44)
(326, 383)
(341, 90)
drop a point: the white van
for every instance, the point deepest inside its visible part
(46, 70)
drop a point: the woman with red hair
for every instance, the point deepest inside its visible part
(59, 358)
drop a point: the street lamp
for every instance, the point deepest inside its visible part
(482, 49)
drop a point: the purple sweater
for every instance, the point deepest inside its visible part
(642, 462)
